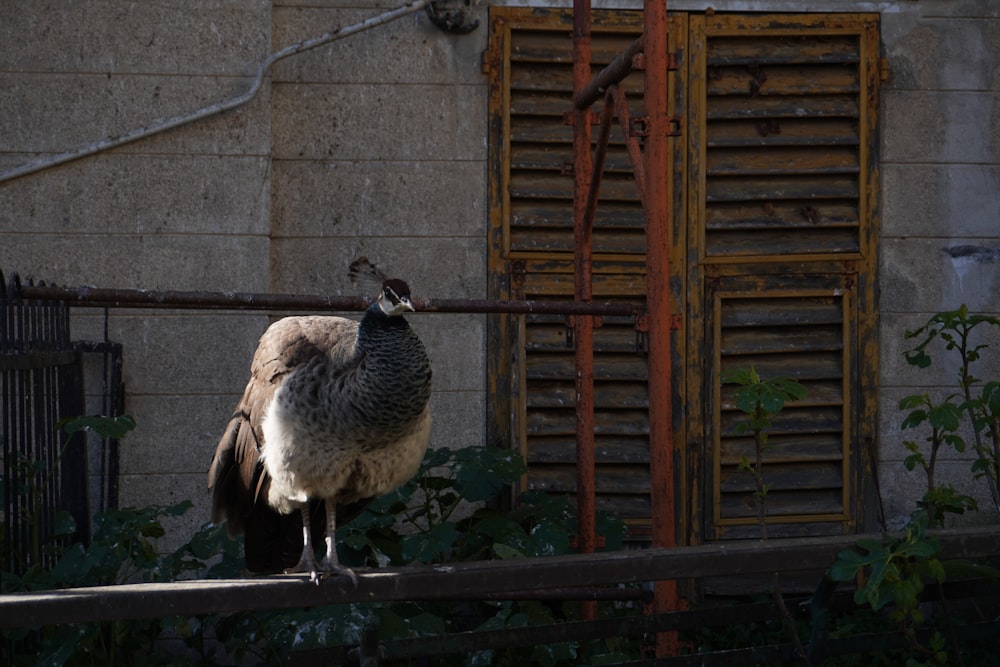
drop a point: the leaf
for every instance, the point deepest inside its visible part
(914, 419)
(944, 416)
(426, 547)
(106, 427)
(507, 552)
(740, 376)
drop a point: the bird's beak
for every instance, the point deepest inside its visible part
(406, 302)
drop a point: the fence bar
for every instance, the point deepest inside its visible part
(136, 298)
(456, 581)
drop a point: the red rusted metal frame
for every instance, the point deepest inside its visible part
(658, 234)
(651, 169)
(618, 69)
(631, 142)
(583, 333)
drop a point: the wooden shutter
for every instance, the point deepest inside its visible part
(531, 63)
(781, 189)
(775, 265)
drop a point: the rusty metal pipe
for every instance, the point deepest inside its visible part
(600, 153)
(137, 298)
(658, 241)
(617, 69)
(582, 282)
(631, 142)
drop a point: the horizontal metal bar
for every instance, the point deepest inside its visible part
(461, 581)
(138, 298)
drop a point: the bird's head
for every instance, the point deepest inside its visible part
(394, 297)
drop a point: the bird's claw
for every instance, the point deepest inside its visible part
(320, 571)
(329, 568)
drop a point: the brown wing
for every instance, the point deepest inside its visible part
(236, 476)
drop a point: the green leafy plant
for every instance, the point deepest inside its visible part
(894, 571)
(452, 510)
(898, 570)
(760, 400)
(34, 476)
(956, 329)
(943, 420)
(123, 549)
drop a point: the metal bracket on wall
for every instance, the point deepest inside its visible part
(639, 126)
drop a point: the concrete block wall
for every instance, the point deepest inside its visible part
(374, 146)
(183, 210)
(940, 241)
(378, 149)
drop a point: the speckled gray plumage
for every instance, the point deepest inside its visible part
(334, 409)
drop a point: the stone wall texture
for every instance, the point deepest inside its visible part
(376, 145)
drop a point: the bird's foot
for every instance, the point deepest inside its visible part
(307, 563)
(330, 567)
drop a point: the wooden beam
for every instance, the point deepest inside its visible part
(458, 581)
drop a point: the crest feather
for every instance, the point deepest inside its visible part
(363, 271)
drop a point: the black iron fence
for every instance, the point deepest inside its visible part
(45, 471)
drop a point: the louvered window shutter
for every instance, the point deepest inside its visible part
(781, 189)
(532, 248)
(775, 175)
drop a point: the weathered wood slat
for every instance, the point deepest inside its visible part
(540, 422)
(784, 449)
(735, 244)
(552, 185)
(450, 581)
(792, 420)
(782, 80)
(821, 527)
(546, 157)
(606, 367)
(613, 285)
(531, 77)
(817, 366)
(610, 479)
(551, 107)
(616, 215)
(612, 242)
(782, 132)
(794, 340)
(552, 337)
(781, 311)
(770, 188)
(782, 50)
(825, 393)
(781, 160)
(792, 477)
(547, 46)
(606, 395)
(607, 449)
(801, 502)
(794, 106)
(741, 216)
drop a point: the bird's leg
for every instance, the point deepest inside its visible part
(330, 564)
(307, 562)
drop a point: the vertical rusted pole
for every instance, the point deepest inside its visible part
(583, 331)
(657, 209)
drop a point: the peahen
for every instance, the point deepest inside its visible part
(335, 414)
